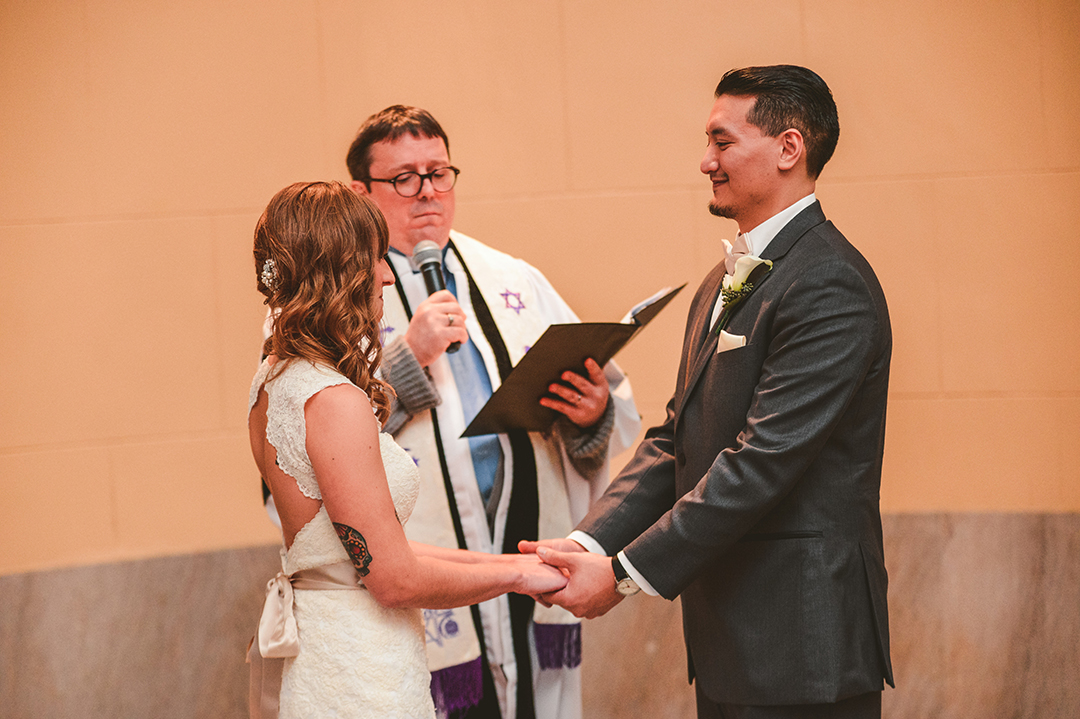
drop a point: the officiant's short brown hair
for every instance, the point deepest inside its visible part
(389, 125)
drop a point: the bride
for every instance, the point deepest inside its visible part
(341, 633)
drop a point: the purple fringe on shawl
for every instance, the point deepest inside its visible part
(461, 687)
(558, 646)
(457, 687)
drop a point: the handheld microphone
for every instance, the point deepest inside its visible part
(428, 257)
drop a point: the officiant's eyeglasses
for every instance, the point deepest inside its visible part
(408, 184)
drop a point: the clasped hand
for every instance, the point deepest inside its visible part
(537, 578)
(590, 588)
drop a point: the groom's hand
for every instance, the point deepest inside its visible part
(560, 545)
(590, 592)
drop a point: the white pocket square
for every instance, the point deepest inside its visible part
(728, 341)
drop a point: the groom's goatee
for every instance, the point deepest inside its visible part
(720, 210)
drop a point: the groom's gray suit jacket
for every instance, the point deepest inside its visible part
(756, 500)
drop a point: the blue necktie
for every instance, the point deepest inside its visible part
(474, 388)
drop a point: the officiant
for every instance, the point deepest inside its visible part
(507, 657)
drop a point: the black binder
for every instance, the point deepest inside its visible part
(516, 404)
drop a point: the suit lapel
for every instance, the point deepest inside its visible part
(708, 349)
(705, 344)
(705, 337)
(800, 224)
(701, 337)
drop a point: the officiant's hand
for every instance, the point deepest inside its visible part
(582, 399)
(437, 322)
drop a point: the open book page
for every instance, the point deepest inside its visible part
(632, 314)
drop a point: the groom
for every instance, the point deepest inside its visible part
(756, 501)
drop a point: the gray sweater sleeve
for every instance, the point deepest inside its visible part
(587, 448)
(414, 388)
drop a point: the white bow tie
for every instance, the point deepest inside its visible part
(734, 252)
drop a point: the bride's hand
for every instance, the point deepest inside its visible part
(522, 558)
(536, 577)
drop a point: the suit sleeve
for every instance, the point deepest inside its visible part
(822, 339)
(645, 488)
(640, 494)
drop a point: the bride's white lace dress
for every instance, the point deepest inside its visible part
(357, 658)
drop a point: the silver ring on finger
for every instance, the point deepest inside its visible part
(449, 320)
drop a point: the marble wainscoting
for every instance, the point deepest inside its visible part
(163, 638)
(985, 615)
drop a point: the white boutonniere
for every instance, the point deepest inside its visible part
(749, 271)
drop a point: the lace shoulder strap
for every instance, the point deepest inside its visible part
(286, 429)
(257, 383)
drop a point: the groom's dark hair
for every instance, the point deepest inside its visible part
(789, 96)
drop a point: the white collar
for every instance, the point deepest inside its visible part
(403, 262)
(759, 238)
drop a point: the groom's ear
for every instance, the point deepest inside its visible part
(792, 149)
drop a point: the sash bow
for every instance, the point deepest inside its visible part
(277, 637)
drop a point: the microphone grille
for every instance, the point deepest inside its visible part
(426, 252)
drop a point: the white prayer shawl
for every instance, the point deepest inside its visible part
(522, 304)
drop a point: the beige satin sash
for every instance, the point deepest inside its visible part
(277, 637)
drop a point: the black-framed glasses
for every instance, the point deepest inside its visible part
(408, 184)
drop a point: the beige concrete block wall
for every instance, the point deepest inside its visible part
(141, 140)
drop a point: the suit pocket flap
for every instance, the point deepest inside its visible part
(773, 536)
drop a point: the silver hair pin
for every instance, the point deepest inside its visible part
(269, 273)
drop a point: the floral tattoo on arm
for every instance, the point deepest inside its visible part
(356, 546)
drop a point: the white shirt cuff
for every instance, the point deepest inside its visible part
(636, 576)
(593, 546)
(588, 542)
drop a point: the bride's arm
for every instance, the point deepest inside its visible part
(463, 556)
(446, 554)
(343, 444)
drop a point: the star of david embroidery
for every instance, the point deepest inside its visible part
(517, 305)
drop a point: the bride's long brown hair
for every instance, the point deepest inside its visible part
(316, 249)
